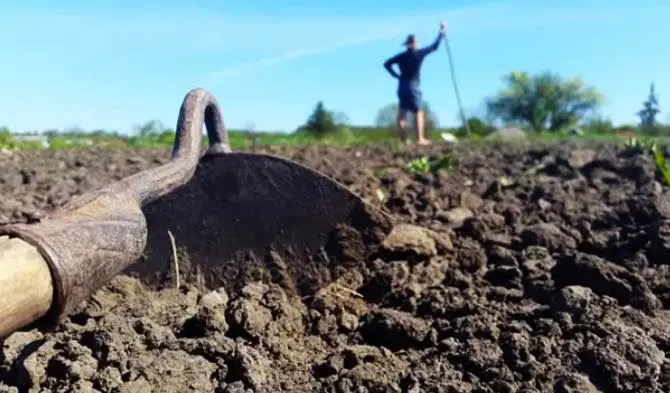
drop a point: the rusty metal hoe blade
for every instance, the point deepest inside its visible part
(240, 208)
(99, 234)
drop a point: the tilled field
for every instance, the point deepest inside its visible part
(524, 269)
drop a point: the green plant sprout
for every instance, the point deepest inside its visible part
(642, 145)
(650, 146)
(662, 166)
(427, 164)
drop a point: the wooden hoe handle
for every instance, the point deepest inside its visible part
(49, 267)
(26, 290)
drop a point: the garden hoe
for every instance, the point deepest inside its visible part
(217, 206)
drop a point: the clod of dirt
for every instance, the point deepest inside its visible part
(547, 235)
(206, 322)
(575, 383)
(247, 315)
(579, 157)
(249, 366)
(408, 241)
(395, 330)
(575, 299)
(661, 205)
(505, 276)
(455, 216)
(624, 359)
(337, 308)
(605, 278)
(659, 247)
(360, 368)
(214, 299)
(360, 238)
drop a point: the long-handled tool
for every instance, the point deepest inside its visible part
(216, 206)
(455, 84)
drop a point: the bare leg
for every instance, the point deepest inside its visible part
(418, 118)
(402, 125)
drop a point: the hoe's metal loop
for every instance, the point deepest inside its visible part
(99, 234)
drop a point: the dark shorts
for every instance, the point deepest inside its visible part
(410, 98)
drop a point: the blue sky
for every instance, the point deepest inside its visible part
(114, 64)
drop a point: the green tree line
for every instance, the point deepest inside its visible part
(544, 103)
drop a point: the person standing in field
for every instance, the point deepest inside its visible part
(409, 95)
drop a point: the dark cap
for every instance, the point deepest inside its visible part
(411, 39)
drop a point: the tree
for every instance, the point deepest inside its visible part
(386, 117)
(543, 102)
(322, 121)
(477, 127)
(341, 119)
(250, 126)
(649, 111)
(6, 138)
(599, 125)
(149, 128)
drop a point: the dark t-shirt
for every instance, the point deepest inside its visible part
(409, 63)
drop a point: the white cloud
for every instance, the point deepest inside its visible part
(461, 22)
(296, 54)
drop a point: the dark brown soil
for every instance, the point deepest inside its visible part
(524, 269)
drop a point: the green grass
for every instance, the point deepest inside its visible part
(358, 136)
(238, 139)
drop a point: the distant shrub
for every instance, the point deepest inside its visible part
(477, 127)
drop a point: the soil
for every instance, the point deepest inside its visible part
(522, 269)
